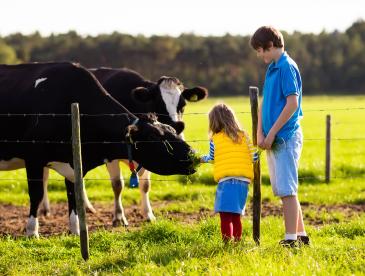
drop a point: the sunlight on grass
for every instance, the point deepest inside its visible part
(169, 247)
(173, 247)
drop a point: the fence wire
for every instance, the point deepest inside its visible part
(318, 178)
(158, 114)
(142, 141)
(54, 115)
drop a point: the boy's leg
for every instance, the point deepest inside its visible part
(300, 225)
(291, 215)
(237, 227)
(283, 164)
(302, 236)
(226, 226)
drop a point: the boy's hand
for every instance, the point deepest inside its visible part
(269, 140)
(260, 139)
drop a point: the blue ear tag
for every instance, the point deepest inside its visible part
(133, 180)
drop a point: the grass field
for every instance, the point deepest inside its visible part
(194, 247)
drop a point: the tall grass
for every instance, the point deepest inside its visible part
(173, 247)
(170, 247)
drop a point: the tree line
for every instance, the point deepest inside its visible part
(330, 62)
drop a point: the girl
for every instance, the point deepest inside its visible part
(232, 155)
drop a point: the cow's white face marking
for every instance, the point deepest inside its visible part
(74, 224)
(38, 81)
(12, 164)
(63, 169)
(171, 93)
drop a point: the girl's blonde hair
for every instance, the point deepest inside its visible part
(222, 118)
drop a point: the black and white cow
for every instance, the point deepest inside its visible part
(166, 98)
(50, 88)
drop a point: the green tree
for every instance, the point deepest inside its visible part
(7, 54)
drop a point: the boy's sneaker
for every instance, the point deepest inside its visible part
(303, 240)
(288, 243)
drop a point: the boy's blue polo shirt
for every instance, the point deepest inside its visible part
(282, 79)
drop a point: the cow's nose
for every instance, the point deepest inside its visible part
(179, 127)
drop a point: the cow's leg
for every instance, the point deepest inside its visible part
(35, 190)
(45, 209)
(118, 185)
(73, 217)
(87, 202)
(145, 186)
(67, 171)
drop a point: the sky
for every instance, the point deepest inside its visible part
(171, 17)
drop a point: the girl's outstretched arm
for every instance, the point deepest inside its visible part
(210, 157)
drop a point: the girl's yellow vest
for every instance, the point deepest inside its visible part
(231, 159)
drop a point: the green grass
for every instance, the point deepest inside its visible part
(172, 247)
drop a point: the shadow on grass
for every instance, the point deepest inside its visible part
(342, 171)
(305, 176)
(348, 230)
(206, 179)
(349, 171)
(112, 264)
(359, 201)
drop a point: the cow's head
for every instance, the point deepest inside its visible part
(158, 148)
(169, 98)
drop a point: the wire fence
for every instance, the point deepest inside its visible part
(146, 141)
(69, 142)
(158, 114)
(318, 178)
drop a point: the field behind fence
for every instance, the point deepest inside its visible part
(187, 238)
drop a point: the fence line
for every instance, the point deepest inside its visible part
(159, 114)
(141, 141)
(322, 178)
(321, 139)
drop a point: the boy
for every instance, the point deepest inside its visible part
(278, 125)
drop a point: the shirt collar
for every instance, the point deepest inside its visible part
(277, 64)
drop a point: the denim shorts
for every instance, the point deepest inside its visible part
(283, 163)
(231, 196)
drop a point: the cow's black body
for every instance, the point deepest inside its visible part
(65, 84)
(50, 88)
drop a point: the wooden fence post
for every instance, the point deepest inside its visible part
(256, 205)
(79, 182)
(328, 148)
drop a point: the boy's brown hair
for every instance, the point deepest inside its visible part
(264, 35)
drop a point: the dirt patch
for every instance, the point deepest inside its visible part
(270, 209)
(13, 218)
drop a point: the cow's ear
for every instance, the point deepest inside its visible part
(142, 94)
(195, 94)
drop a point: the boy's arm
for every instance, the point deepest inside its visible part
(210, 156)
(289, 109)
(260, 134)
